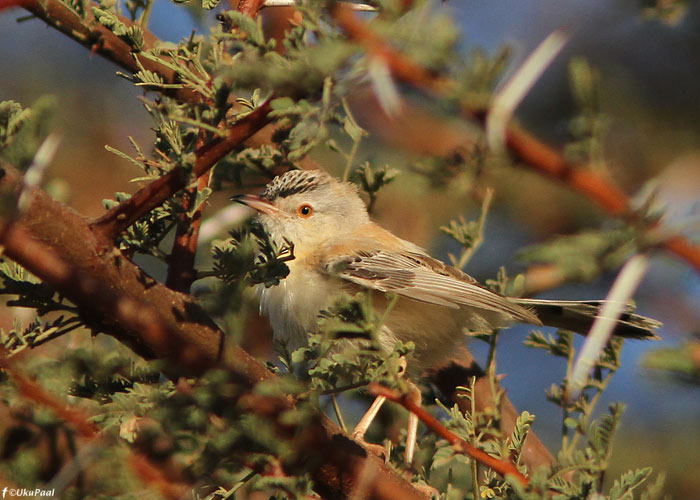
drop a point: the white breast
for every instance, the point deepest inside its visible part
(294, 304)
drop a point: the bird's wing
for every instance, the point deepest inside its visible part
(420, 277)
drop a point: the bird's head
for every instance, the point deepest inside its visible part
(307, 207)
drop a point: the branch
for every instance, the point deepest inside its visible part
(91, 34)
(142, 466)
(458, 444)
(525, 147)
(250, 7)
(456, 373)
(181, 272)
(56, 244)
(116, 220)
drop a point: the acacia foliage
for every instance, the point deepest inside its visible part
(207, 436)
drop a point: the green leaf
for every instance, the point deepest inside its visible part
(241, 24)
(109, 20)
(520, 432)
(655, 490)
(624, 486)
(23, 131)
(603, 432)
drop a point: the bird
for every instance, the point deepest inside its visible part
(338, 249)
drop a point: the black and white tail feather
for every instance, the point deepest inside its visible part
(578, 315)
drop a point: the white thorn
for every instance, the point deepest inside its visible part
(615, 304)
(511, 94)
(291, 3)
(35, 173)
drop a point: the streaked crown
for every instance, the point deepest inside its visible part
(295, 181)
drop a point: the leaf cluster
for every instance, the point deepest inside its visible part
(346, 352)
(22, 130)
(586, 255)
(251, 257)
(24, 290)
(210, 428)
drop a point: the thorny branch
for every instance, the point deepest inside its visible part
(109, 225)
(458, 444)
(525, 147)
(142, 466)
(181, 272)
(100, 40)
(22, 237)
(56, 244)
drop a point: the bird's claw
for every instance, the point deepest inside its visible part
(376, 449)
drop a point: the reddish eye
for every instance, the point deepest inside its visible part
(305, 211)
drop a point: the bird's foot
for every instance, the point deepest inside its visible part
(376, 449)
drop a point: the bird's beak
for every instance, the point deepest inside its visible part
(256, 203)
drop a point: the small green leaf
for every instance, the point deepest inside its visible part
(624, 486)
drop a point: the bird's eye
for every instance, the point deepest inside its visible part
(305, 210)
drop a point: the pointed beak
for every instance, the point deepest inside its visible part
(256, 203)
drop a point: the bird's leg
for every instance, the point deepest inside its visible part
(416, 397)
(361, 428)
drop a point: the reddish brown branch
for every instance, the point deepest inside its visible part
(144, 468)
(250, 7)
(458, 444)
(683, 248)
(8, 4)
(181, 272)
(56, 244)
(34, 392)
(402, 66)
(100, 40)
(549, 162)
(116, 220)
(528, 149)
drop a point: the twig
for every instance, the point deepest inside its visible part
(402, 67)
(458, 444)
(116, 220)
(525, 147)
(181, 271)
(250, 7)
(100, 40)
(124, 302)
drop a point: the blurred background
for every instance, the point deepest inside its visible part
(649, 66)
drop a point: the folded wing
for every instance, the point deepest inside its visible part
(422, 278)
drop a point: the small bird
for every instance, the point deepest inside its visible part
(338, 249)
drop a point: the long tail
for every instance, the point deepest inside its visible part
(578, 316)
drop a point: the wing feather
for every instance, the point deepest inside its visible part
(420, 277)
